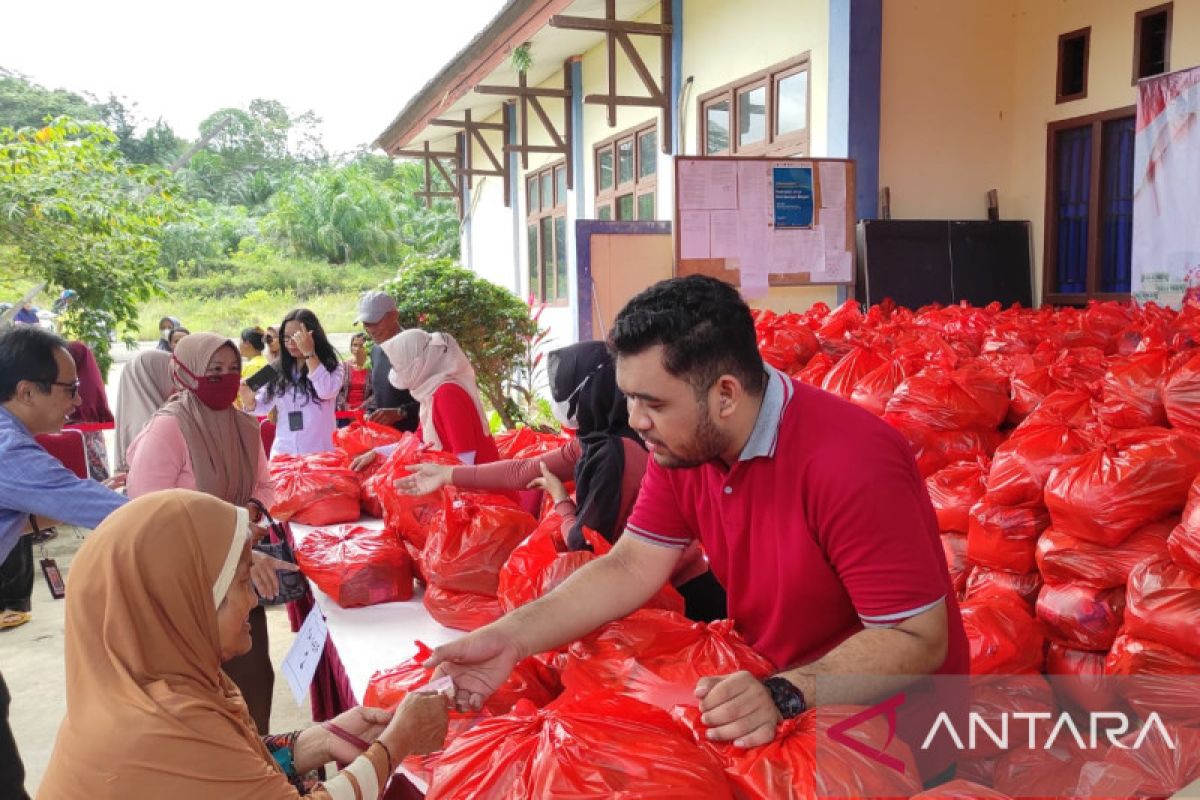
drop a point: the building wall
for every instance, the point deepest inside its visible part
(968, 89)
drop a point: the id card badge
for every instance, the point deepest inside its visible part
(295, 421)
(58, 588)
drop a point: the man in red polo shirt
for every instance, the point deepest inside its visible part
(811, 510)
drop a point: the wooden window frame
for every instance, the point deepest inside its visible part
(793, 143)
(1138, 20)
(1086, 35)
(1095, 189)
(546, 290)
(639, 186)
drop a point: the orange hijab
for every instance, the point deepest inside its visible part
(150, 714)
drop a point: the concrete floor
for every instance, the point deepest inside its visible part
(31, 657)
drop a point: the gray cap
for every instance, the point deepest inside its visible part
(373, 305)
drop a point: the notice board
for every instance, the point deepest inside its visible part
(762, 222)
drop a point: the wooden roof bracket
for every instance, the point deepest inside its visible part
(473, 134)
(433, 160)
(529, 97)
(617, 33)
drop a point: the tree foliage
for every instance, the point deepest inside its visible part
(491, 325)
(81, 217)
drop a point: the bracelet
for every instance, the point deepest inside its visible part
(391, 765)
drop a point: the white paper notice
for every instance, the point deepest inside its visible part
(832, 175)
(300, 664)
(797, 250)
(834, 224)
(840, 267)
(753, 185)
(692, 185)
(754, 284)
(753, 234)
(711, 185)
(693, 234)
(723, 230)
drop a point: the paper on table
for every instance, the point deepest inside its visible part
(723, 234)
(832, 175)
(753, 188)
(693, 234)
(300, 664)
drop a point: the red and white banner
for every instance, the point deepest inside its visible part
(1166, 203)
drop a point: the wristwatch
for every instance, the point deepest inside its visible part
(787, 697)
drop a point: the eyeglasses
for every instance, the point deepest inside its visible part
(73, 387)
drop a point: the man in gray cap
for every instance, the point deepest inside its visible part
(389, 406)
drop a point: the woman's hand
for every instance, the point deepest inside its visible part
(246, 396)
(263, 573)
(365, 723)
(550, 484)
(363, 461)
(425, 478)
(419, 726)
(303, 340)
(116, 481)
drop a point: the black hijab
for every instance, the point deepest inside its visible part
(585, 375)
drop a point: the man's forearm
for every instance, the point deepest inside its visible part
(599, 592)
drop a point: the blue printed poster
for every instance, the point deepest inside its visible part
(792, 194)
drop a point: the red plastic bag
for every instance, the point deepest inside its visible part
(1073, 369)
(970, 397)
(464, 611)
(960, 790)
(360, 436)
(1132, 391)
(787, 768)
(530, 680)
(875, 389)
(602, 747)
(935, 450)
(471, 539)
(954, 546)
(1105, 495)
(315, 489)
(1022, 464)
(1184, 542)
(1005, 538)
(1081, 617)
(1063, 558)
(1041, 773)
(357, 566)
(788, 346)
(541, 562)
(527, 443)
(984, 582)
(1163, 605)
(1084, 683)
(1163, 679)
(411, 517)
(814, 371)
(1152, 768)
(846, 373)
(992, 700)
(953, 490)
(1004, 637)
(657, 657)
(1181, 396)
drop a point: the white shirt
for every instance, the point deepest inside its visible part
(318, 420)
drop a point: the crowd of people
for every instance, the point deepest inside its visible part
(690, 455)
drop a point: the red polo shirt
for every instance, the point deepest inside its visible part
(822, 527)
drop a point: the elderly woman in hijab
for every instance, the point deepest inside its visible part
(92, 408)
(159, 598)
(198, 440)
(606, 460)
(434, 369)
(144, 386)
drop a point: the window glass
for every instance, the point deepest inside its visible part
(792, 114)
(752, 115)
(605, 166)
(625, 161)
(560, 258)
(532, 200)
(560, 185)
(625, 207)
(647, 154)
(645, 206)
(716, 127)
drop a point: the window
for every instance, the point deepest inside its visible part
(1072, 65)
(1152, 42)
(1089, 208)
(546, 229)
(627, 174)
(761, 114)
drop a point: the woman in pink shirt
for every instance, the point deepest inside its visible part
(606, 460)
(199, 441)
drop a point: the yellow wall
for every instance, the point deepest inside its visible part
(726, 40)
(945, 107)
(968, 90)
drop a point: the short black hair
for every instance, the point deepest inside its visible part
(704, 326)
(27, 354)
(360, 336)
(254, 338)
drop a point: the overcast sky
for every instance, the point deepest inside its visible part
(354, 62)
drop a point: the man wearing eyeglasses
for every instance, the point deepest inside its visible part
(38, 390)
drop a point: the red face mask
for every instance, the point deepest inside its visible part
(217, 391)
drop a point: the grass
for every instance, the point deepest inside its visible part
(229, 316)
